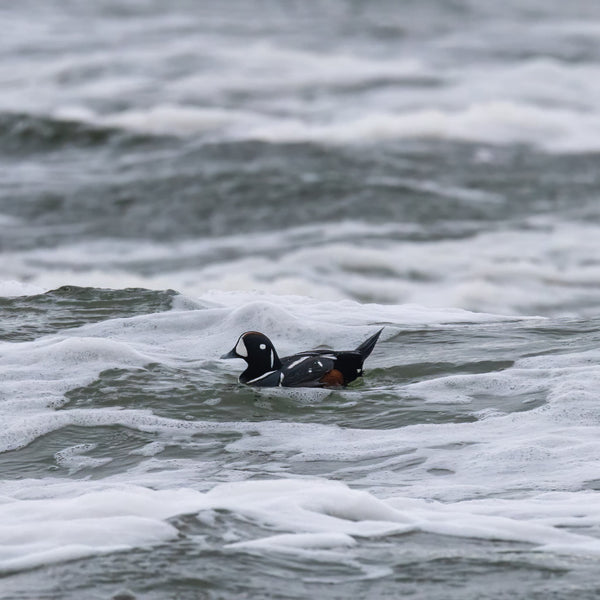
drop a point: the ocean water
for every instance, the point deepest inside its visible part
(173, 174)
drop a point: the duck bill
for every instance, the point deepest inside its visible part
(230, 354)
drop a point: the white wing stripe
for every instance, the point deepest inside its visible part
(297, 362)
(260, 377)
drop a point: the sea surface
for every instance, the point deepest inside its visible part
(175, 173)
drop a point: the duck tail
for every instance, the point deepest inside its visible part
(367, 346)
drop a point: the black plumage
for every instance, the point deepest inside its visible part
(313, 368)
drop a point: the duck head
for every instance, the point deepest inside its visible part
(258, 352)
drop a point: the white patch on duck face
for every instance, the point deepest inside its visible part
(319, 363)
(263, 346)
(241, 349)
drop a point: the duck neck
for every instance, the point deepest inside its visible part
(260, 365)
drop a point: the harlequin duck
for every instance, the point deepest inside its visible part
(314, 368)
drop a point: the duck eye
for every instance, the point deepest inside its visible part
(263, 346)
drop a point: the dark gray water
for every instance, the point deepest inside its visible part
(172, 175)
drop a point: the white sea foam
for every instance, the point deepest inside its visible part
(74, 458)
(290, 91)
(544, 102)
(12, 288)
(75, 520)
(526, 477)
(544, 448)
(169, 119)
(545, 268)
(554, 446)
(260, 65)
(43, 531)
(495, 121)
(290, 542)
(63, 361)
(8, 220)
(37, 374)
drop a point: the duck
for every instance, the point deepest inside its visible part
(312, 368)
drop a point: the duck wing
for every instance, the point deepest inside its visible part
(306, 369)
